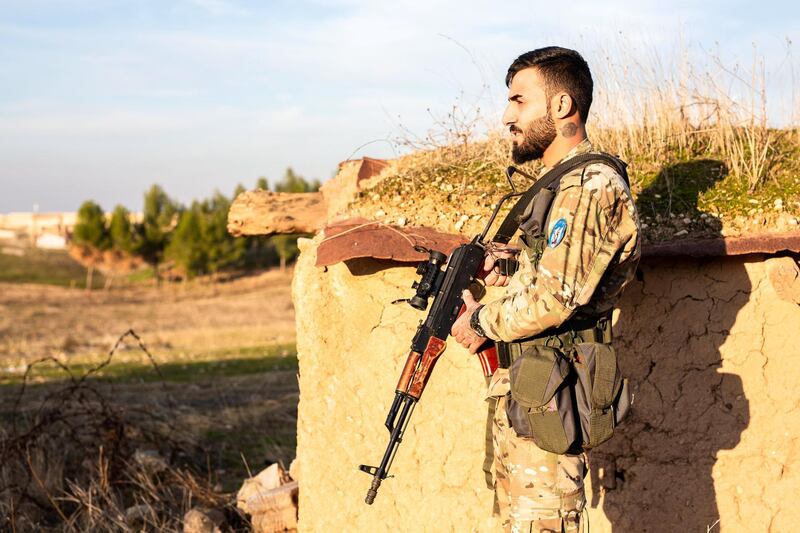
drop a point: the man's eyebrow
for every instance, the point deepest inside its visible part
(514, 98)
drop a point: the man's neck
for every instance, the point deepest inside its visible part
(561, 146)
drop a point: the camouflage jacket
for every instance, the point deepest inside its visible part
(592, 251)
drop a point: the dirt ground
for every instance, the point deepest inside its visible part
(222, 403)
(176, 321)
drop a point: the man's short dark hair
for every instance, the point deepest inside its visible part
(562, 70)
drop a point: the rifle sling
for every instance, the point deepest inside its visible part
(511, 223)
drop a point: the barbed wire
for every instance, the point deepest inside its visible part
(73, 426)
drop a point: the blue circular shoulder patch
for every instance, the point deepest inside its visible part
(557, 233)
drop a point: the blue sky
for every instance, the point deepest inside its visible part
(100, 98)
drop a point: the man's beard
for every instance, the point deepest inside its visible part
(535, 141)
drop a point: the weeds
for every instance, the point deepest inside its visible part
(78, 462)
(654, 115)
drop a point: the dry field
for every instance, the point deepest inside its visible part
(77, 454)
(191, 321)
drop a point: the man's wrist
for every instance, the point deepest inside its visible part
(475, 321)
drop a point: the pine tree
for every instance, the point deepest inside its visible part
(90, 227)
(120, 230)
(158, 217)
(223, 250)
(186, 246)
(262, 184)
(292, 182)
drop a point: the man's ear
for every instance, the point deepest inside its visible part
(562, 105)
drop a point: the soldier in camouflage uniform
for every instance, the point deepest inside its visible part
(590, 253)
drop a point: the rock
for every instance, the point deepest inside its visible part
(271, 499)
(275, 510)
(784, 276)
(687, 221)
(267, 213)
(681, 233)
(150, 461)
(201, 520)
(353, 177)
(270, 478)
(138, 515)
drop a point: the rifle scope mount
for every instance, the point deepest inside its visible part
(427, 286)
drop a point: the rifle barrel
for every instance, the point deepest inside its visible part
(382, 472)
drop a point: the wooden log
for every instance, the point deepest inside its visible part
(269, 213)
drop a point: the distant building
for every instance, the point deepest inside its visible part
(43, 230)
(34, 224)
(51, 241)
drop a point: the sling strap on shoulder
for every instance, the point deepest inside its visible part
(512, 221)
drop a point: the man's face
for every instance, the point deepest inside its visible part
(527, 116)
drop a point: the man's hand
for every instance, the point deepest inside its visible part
(493, 278)
(461, 330)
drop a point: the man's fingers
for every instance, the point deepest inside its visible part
(469, 300)
(496, 280)
(473, 347)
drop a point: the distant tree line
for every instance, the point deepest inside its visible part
(194, 238)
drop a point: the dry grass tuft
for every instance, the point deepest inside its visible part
(78, 462)
(662, 112)
(696, 135)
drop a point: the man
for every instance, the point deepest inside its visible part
(574, 271)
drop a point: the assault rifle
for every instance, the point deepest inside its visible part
(446, 286)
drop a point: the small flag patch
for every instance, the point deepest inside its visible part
(557, 233)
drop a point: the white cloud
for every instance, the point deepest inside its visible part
(207, 91)
(218, 7)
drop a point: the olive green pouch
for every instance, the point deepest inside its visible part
(541, 403)
(602, 396)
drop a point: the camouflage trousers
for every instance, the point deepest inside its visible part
(536, 491)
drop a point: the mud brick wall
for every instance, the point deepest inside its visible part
(711, 350)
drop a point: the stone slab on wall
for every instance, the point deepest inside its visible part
(708, 344)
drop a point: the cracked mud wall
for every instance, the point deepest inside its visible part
(714, 440)
(714, 435)
(352, 344)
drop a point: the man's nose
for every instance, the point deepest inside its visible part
(509, 116)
